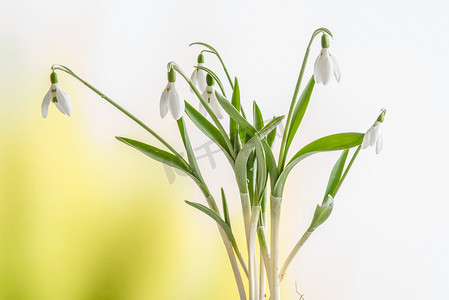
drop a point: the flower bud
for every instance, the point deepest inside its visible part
(200, 58)
(381, 117)
(210, 80)
(171, 75)
(53, 78)
(325, 41)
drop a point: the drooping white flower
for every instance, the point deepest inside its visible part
(58, 96)
(326, 65)
(198, 76)
(211, 99)
(374, 135)
(170, 99)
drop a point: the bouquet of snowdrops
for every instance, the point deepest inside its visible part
(248, 148)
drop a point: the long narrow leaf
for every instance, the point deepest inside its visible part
(333, 142)
(299, 111)
(233, 126)
(188, 146)
(208, 129)
(257, 117)
(217, 219)
(335, 176)
(225, 208)
(235, 115)
(156, 154)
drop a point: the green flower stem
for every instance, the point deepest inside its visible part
(275, 203)
(246, 211)
(307, 234)
(347, 170)
(283, 152)
(293, 253)
(213, 51)
(206, 106)
(265, 252)
(252, 264)
(235, 268)
(131, 116)
(262, 279)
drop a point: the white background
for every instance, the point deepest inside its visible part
(387, 237)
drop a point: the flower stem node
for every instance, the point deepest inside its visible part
(58, 96)
(374, 135)
(198, 77)
(326, 64)
(170, 98)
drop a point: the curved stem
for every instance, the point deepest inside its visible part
(127, 113)
(252, 264)
(293, 253)
(347, 170)
(283, 152)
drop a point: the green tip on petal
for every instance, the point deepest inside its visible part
(209, 80)
(325, 41)
(381, 117)
(200, 58)
(171, 75)
(53, 77)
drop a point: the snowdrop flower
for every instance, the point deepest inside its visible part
(198, 77)
(326, 64)
(211, 99)
(170, 99)
(374, 135)
(58, 96)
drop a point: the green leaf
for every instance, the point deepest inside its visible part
(340, 141)
(299, 111)
(271, 137)
(262, 175)
(233, 126)
(235, 115)
(267, 129)
(219, 221)
(188, 146)
(335, 176)
(225, 208)
(271, 163)
(322, 213)
(208, 129)
(156, 154)
(257, 117)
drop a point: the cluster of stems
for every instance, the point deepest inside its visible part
(260, 177)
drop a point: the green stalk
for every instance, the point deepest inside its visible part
(131, 116)
(283, 152)
(347, 170)
(252, 264)
(293, 253)
(275, 222)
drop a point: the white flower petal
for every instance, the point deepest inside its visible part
(336, 67)
(379, 142)
(215, 106)
(205, 96)
(325, 69)
(201, 78)
(64, 100)
(163, 104)
(316, 73)
(46, 104)
(367, 138)
(194, 79)
(175, 103)
(374, 133)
